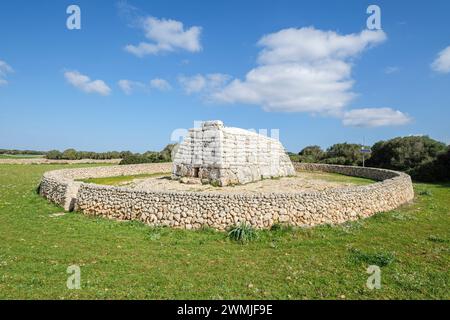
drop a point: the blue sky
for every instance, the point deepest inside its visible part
(308, 68)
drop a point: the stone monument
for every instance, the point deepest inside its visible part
(224, 156)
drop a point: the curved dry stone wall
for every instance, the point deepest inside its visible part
(192, 210)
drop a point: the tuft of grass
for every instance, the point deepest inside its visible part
(282, 227)
(437, 239)
(242, 233)
(425, 192)
(380, 259)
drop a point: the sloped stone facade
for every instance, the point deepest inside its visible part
(224, 155)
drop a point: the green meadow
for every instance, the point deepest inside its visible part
(129, 260)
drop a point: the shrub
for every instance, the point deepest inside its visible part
(405, 153)
(344, 153)
(53, 154)
(311, 154)
(164, 155)
(433, 171)
(242, 233)
(135, 159)
(281, 227)
(70, 154)
(294, 157)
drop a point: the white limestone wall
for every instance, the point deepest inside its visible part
(230, 155)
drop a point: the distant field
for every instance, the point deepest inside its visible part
(129, 260)
(20, 156)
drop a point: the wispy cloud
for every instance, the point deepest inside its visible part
(85, 84)
(160, 84)
(391, 69)
(208, 83)
(130, 86)
(442, 62)
(5, 69)
(375, 117)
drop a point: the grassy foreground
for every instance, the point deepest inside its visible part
(130, 260)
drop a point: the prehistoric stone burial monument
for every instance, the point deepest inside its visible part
(223, 155)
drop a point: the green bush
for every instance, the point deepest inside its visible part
(311, 154)
(405, 153)
(344, 153)
(242, 233)
(135, 159)
(54, 154)
(164, 155)
(433, 171)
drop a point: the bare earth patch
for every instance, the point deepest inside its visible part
(302, 181)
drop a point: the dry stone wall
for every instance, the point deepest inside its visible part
(192, 210)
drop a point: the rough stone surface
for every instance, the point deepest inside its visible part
(192, 210)
(225, 155)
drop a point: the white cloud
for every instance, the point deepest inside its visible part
(208, 83)
(442, 62)
(192, 84)
(84, 83)
(375, 117)
(166, 35)
(312, 45)
(5, 69)
(391, 69)
(301, 70)
(160, 84)
(128, 86)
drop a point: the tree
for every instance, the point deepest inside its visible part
(311, 154)
(54, 155)
(344, 153)
(405, 153)
(70, 154)
(434, 171)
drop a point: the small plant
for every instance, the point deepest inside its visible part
(425, 193)
(437, 239)
(243, 233)
(380, 259)
(215, 183)
(281, 227)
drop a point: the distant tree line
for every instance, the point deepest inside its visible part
(72, 154)
(26, 152)
(165, 155)
(425, 159)
(127, 157)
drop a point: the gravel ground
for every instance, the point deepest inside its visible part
(302, 181)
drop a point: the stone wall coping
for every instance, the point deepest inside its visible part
(63, 175)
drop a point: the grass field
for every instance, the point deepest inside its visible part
(130, 260)
(335, 177)
(20, 156)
